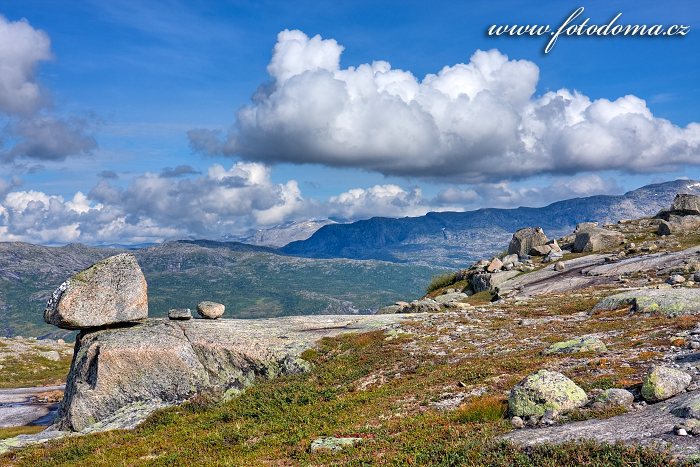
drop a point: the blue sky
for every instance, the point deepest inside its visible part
(132, 78)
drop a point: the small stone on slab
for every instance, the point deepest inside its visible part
(180, 313)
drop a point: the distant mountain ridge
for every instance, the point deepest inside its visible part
(252, 281)
(288, 232)
(452, 239)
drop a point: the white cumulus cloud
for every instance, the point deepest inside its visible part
(474, 122)
(31, 130)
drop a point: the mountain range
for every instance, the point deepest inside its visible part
(341, 268)
(453, 239)
(251, 281)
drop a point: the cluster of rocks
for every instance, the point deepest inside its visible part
(530, 242)
(545, 397)
(682, 217)
(452, 299)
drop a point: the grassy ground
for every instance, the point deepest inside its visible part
(387, 390)
(13, 431)
(32, 370)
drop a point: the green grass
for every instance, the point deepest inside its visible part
(274, 422)
(13, 431)
(32, 370)
(441, 281)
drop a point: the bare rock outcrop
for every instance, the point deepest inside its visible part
(650, 426)
(526, 239)
(597, 239)
(135, 370)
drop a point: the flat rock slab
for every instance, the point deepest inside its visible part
(650, 426)
(592, 270)
(16, 408)
(669, 302)
(136, 369)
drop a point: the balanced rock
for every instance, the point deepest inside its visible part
(578, 345)
(592, 240)
(180, 314)
(120, 375)
(545, 391)
(525, 239)
(210, 310)
(111, 291)
(663, 382)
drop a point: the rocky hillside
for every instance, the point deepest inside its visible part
(253, 282)
(579, 350)
(452, 239)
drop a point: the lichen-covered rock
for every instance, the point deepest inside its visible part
(615, 397)
(597, 239)
(676, 279)
(577, 345)
(333, 443)
(111, 291)
(210, 310)
(483, 282)
(448, 298)
(663, 382)
(669, 302)
(426, 305)
(390, 310)
(525, 239)
(544, 391)
(674, 225)
(690, 408)
(584, 226)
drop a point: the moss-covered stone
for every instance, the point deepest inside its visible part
(543, 391)
(668, 302)
(663, 382)
(333, 444)
(577, 345)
